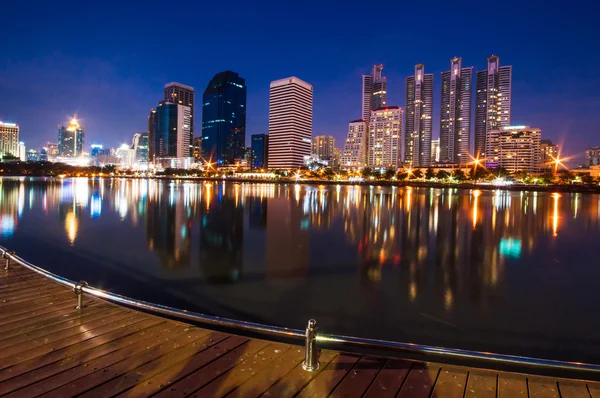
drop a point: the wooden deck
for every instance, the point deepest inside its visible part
(47, 348)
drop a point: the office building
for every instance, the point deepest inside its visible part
(355, 148)
(419, 112)
(592, 156)
(22, 152)
(171, 136)
(336, 161)
(384, 143)
(492, 102)
(43, 154)
(71, 139)
(374, 92)
(515, 148)
(9, 139)
(141, 148)
(322, 147)
(181, 94)
(151, 131)
(260, 151)
(455, 113)
(435, 151)
(290, 123)
(53, 151)
(548, 154)
(224, 118)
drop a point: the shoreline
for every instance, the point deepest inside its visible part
(591, 189)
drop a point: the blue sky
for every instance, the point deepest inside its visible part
(108, 62)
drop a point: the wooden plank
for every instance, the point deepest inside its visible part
(30, 291)
(268, 376)
(594, 389)
(59, 294)
(145, 343)
(89, 334)
(121, 365)
(35, 305)
(38, 369)
(420, 381)
(89, 316)
(49, 319)
(214, 369)
(229, 381)
(360, 378)
(389, 381)
(451, 383)
(175, 360)
(573, 389)
(9, 287)
(481, 383)
(294, 381)
(512, 385)
(51, 337)
(542, 387)
(330, 377)
(7, 322)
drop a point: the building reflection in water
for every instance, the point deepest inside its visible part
(446, 245)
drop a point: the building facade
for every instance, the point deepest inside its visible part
(178, 93)
(171, 136)
(492, 102)
(419, 113)
(290, 123)
(224, 119)
(515, 148)
(354, 155)
(260, 151)
(592, 156)
(548, 154)
(374, 92)
(9, 139)
(322, 147)
(384, 143)
(71, 139)
(455, 113)
(141, 148)
(435, 151)
(151, 131)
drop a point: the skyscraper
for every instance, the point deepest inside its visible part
(419, 112)
(151, 132)
(224, 118)
(178, 93)
(9, 139)
(171, 135)
(290, 123)
(355, 148)
(515, 148)
(384, 144)
(492, 101)
(71, 139)
(322, 147)
(260, 150)
(455, 113)
(374, 92)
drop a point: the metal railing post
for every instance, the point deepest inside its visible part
(6, 255)
(311, 354)
(78, 290)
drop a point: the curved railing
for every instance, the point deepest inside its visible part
(313, 340)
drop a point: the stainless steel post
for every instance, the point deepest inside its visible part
(78, 290)
(6, 255)
(311, 354)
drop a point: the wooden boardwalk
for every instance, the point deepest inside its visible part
(47, 348)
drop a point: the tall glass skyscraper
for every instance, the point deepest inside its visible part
(259, 145)
(374, 92)
(71, 139)
(224, 118)
(419, 112)
(171, 135)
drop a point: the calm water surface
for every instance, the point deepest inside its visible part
(511, 272)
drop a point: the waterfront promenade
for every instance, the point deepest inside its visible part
(50, 349)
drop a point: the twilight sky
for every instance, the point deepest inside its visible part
(108, 61)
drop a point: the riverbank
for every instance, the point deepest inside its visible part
(571, 188)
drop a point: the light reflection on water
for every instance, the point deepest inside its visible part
(494, 270)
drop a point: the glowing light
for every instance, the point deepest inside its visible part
(476, 194)
(71, 225)
(555, 196)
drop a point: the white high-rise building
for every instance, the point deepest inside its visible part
(374, 92)
(516, 148)
(9, 139)
(492, 101)
(384, 144)
(435, 151)
(455, 113)
(419, 113)
(355, 149)
(323, 146)
(290, 123)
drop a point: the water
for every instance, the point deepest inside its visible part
(510, 272)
